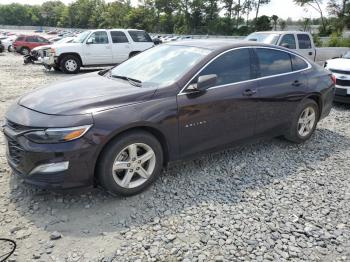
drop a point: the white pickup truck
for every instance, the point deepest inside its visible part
(97, 48)
(301, 42)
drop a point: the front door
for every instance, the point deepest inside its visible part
(97, 49)
(224, 113)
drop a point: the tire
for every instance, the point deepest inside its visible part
(305, 118)
(56, 68)
(132, 54)
(10, 48)
(25, 51)
(124, 179)
(70, 64)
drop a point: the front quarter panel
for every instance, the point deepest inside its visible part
(158, 113)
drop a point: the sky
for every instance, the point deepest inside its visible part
(281, 8)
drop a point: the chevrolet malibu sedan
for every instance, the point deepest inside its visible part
(118, 128)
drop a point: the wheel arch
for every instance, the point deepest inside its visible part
(317, 98)
(61, 56)
(149, 129)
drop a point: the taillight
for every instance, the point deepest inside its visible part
(334, 79)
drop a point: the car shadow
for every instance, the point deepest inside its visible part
(220, 178)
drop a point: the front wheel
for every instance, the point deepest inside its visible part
(70, 64)
(130, 163)
(304, 122)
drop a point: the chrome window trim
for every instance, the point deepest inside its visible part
(250, 80)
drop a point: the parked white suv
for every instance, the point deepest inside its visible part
(97, 48)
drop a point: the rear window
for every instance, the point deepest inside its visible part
(273, 62)
(140, 36)
(298, 63)
(304, 41)
(119, 37)
(20, 38)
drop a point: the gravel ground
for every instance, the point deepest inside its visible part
(269, 201)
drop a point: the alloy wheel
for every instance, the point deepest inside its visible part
(134, 165)
(306, 121)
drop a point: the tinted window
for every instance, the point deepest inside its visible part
(289, 40)
(273, 62)
(298, 63)
(140, 36)
(304, 41)
(231, 67)
(99, 37)
(31, 39)
(119, 37)
(41, 39)
(20, 38)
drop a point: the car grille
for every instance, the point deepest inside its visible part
(341, 82)
(340, 72)
(15, 151)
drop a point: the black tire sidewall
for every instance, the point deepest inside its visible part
(104, 166)
(63, 62)
(25, 48)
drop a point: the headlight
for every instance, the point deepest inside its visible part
(57, 135)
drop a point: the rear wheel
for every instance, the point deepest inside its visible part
(25, 51)
(130, 163)
(70, 64)
(10, 48)
(304, 122)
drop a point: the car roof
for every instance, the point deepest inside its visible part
(281, 32)
(220, 44)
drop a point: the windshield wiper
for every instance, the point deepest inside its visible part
(132, 81)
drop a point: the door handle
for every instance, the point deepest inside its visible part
(296, 83)
(310, 53)
(249, 92)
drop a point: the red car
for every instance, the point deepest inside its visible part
(24, 43)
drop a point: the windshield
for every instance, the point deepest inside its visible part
(81, 37)
(266, 38)
(160, 66)
(346, 55)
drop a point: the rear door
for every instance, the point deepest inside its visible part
(224, 113)
(282, 85)
(121, 47)
(305, 46)
(141, 40)
(97, 49)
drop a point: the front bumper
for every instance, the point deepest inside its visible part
(24, 156)
(342, 94)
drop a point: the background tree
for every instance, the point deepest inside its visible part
(316, 5)
(274, 19)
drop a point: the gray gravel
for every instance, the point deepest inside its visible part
(269, 201)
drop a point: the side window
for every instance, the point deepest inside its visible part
(304, 41)
(31, 39)
(273, 62)
(139, 36)
(119, 37)
(288, 41)
(298, 63)
(42, 40)
(231, 67)
(99, 37)
(20, 38)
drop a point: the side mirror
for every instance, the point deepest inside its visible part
(203, 83)
(89, 41)
(285, 45)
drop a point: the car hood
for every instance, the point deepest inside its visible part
(339, 64)
(42, 47)
(84, 94)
